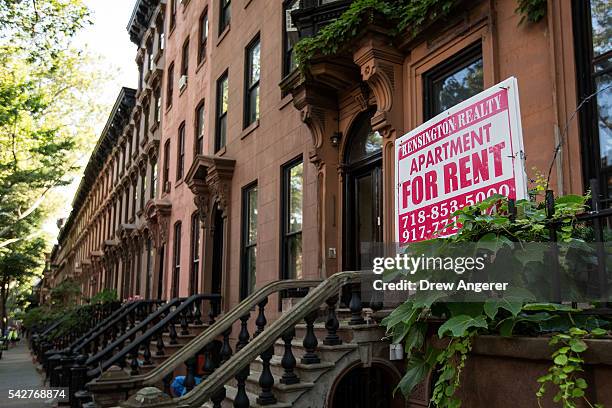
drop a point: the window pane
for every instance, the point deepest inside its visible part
(604, 118)
(222, 131)
(292, 37)
(254, 104)
(601, 23)
(224, 95)
(294, 256)
(296, 182)
(457, 87)
(254, 64)
(252, 216)
(250, 262)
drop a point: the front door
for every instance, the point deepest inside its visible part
(218, 249)
(362, 195)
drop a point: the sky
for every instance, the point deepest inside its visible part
(108, 38)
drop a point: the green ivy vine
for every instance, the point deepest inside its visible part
(401, 14)
(567, 367)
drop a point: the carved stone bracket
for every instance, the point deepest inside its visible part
(157, 213)
(209, 178)
(381, 67)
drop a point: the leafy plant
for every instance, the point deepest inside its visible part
(566, 371)
(532, 10)
(492, 227)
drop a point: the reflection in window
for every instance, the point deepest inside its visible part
(251, 113)
(249, 240)
(593, 46)
(453, 81)
(195, 254)
(291, 37)
(365, 142)
(293, 189)
(221, 130)
(225, 15)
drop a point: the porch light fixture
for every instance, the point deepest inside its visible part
(335, 139)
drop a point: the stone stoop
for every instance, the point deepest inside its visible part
(316, 380)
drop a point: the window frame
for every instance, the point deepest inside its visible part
(223, 23)
(180, 152)
(172, 14)
(220, 116)
(285, 234)
(166, 169)
(170, 85)
(195, 257)
(176, 260)
(453, 64)
(285, 51)
(203, 42)
(248, 87)
(245, 246)
(199, 123)
(185, 58)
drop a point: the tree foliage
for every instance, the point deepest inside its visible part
(48, 107)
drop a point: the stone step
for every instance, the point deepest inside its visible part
(305, 372)
(230, 395)
(325, 353)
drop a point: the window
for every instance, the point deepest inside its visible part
(593, 48)
(249, 240)
(176, 270)
(126, 214)
(221, 130)
(153, 179)
(195, 254)
(137, 135)
(135, 199)
(143, 190)
(172, 13)
(157, 94)
(185, 58)
(160, 34)
(150, 59)
(453, 81)
(166, 174)
(147, 111)
(292, 191)
(180, 152)
(291, 37)
(224, 20)
(251, 111)
(199, 129)
(203, 36)
(149, 278)
(170, 85)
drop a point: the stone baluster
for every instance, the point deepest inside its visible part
(197, 314)
(266, 379)
(288, 361)
(160, 344)
(226, 348)
(172, 331)
(209, 362)
(310, 340)
(242, 400)
(332, 324)
(355, 305)
(190, 376)
(184, 323)
(218, 397)
(261, 320)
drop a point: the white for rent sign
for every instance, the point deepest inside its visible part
(460, 157)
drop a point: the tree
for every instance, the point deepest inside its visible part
(48, 106)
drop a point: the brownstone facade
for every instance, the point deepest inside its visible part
(254, 171)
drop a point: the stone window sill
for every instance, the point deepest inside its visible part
(224, 34)
(249, 129)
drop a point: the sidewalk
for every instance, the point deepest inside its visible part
(17, 372)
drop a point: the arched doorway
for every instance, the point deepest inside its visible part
(362, 193)
(366, 387)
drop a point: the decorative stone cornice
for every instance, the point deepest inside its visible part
(157, 213)
(209, 178)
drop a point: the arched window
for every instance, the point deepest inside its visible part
(363, 141)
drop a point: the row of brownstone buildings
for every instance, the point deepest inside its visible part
(227, 168)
